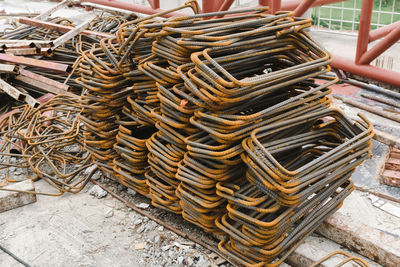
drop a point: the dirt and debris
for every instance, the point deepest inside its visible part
(98, 192)
(78, 226)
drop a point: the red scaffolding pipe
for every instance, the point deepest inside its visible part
(303, 7)
(226, 5)
(382, 31)
(155, 4)
(363, 30)
(380, 47)
(276, 5)
(383, 75)
(209, 6)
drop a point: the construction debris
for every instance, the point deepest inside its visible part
(374, 243)
(369, 108)
(390, 172)
(98, 192)
(384, 205)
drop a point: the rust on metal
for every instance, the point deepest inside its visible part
(58, 67)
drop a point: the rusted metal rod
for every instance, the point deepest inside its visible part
(369, 108)
(374, 88)
(52, 9)
(226, 5)
(61, 28)
(17, 94)
(35, 63)
(43, 83)
(387, 139)
(70, 34)
(22, 43)
(292, 4)
(134, 7)
(6, 68)
(22, 51)
(154, 3)
(389, 102)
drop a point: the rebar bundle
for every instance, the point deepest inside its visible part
(227, 121)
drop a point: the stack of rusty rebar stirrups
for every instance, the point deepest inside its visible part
(227, 121)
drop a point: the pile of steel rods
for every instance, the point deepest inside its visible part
(38, 41)
(47, 143)
(226, 121)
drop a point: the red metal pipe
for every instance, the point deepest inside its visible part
(155, 4)
(212, 5)
(268, 3)
(386, 76)
(382, 31)
(208, 6)
(292, 4)
(134, 7)
(226, 5)
(363, 30)
(276, 5)
(303, 7)
(380, 47)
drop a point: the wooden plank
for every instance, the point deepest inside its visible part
(387, 139)
(377, 245)
(11, 199)
(315, 247)
(391, 177)
(392, 164)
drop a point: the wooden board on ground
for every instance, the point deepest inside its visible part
(10, 199)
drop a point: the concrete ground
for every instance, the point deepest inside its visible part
(82, 230)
